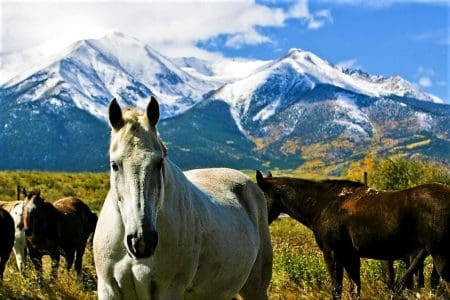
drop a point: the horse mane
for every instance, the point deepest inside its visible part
(331, 185)
(339, 184)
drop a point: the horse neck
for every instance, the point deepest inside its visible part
(176, 203)
(53, 217)
(305, 200)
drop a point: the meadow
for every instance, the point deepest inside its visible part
(298, 269)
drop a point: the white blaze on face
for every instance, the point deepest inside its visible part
(136, 177)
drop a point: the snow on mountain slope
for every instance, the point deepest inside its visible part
(93, 71)
(315, 70)
(258, 100)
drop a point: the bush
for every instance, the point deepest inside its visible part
(399, 173)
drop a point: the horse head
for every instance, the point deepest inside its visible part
(265, 183)
(30, 215)
(137, 158)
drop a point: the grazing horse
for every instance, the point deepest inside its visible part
(15, 208)
(6, 239)
(62, 228)
(165, 234)
(350, 221)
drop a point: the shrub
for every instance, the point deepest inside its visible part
(400, 173)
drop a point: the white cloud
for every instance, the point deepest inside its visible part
(438, 36)
(425, 76)
(246, 38)
(425, 82)
(314, 20)
(167, 26)
(349, 64)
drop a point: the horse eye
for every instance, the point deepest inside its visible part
(115, 166)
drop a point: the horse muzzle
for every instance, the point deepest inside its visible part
(142, 246)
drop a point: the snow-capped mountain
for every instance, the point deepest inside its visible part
(240, 113)
(287, 86)
(91, 72)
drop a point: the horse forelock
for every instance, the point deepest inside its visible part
(136, 133)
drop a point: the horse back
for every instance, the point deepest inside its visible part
(9, 205)
(405, 218)
(229, 187)
(77, 215)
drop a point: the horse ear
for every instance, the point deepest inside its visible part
(24, 192)
(38, 192)
(259, 177)
(153, 111)
(269, 174)
(115, 115)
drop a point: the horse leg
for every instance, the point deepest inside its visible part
(442, 264)
(336, 271)
(3, 261)
(389, 273)
(79, 260)
(108, 290)
(434, 279)
(36, 259)
(419, 274)
(55, 264)
(70, 257)
(258, 281)
(19, 252)
(409, 276)
(411, 269)
(352, 265)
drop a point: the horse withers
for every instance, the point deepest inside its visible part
(350, 221)
(165, 234)
(7, 239)
(61, 228)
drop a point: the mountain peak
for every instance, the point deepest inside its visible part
(294, 51)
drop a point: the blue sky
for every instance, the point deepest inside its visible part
(409, 38)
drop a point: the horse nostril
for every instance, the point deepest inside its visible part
(142, 247)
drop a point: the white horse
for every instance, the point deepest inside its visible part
(165, 234)
(15, 209)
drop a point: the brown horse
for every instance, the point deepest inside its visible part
(350, 221)
(6, 239)
(62, 228)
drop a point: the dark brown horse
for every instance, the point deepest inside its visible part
(62, 228)
(6, 239)
(350, 221)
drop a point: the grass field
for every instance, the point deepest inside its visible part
(298, 270)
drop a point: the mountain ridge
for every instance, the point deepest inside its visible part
(285, 113)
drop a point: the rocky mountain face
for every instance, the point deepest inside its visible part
(297, 111)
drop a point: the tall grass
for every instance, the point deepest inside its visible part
(298, 270)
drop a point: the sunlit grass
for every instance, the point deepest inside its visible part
(298, 271)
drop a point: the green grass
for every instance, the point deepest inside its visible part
(298, 270)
